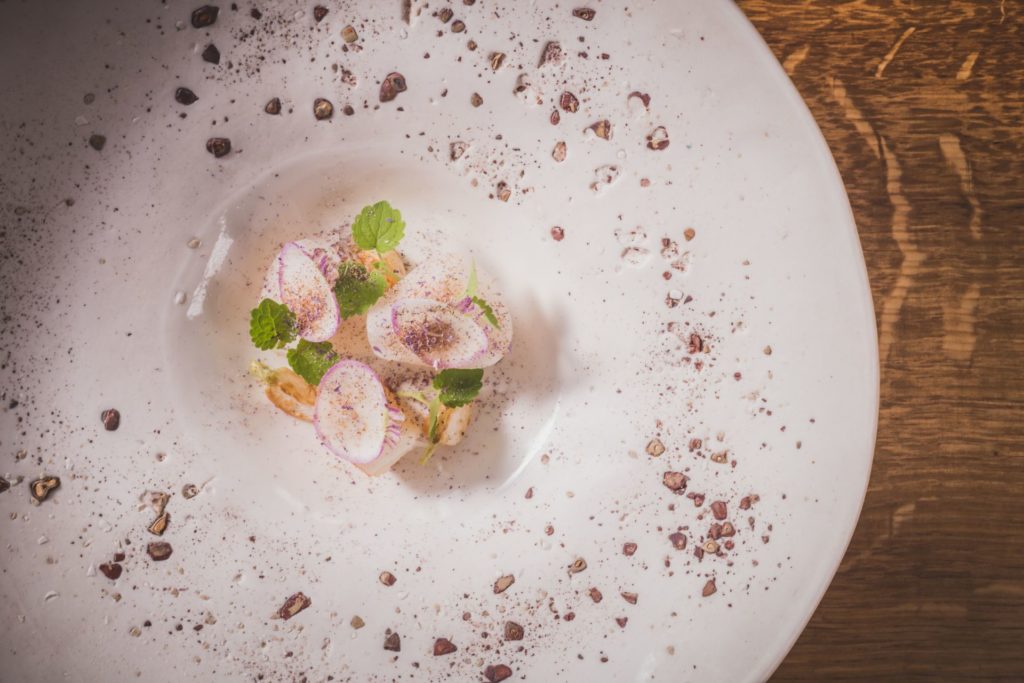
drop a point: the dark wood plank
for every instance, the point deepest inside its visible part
(923, 106)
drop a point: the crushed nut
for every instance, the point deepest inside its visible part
(569, 102)
(497, 673)
(497, 59)
(655, 448)
(349, 35)
(709, 588)
(273, 107)
(503, 583)
(159, 551)
(387, 578)
(602, 129)
(293, 605)
(675, 481)
(392, 641)
(629, 597)
(577, 566)
(393, 84)
(443, 646)
(559, 152)
(513, 631)
(584, 13)
(678, 540)
(658, 139)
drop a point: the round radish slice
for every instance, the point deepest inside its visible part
(307, 292)
(357, 419)
(437, 334)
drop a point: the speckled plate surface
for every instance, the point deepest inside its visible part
(670, 461)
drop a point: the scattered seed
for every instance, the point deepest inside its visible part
(445, 15)
(675, 481)
(628, 549)
(584, 13)
(476, 100)
(513, 631)
(471, 44)
(393, 84)
(458, 26)
(577, 566)
(621, 621)
(710, 546)
(159, 525)
(559, 152)
(89, 98)
(719, 510)
(273, 107)
(678, 540)
(319, 12)
(497, 59)
(211, 54)
(696, 344)
(185, 96)
(97, 141)
(41, 488)
(557, 233)
(218, 147)
(111, 419)
(655, 448)
(502, 584)
(159, 550)
(111, 570)
(349, 35)
(552, 54)
(322, 109)
(689, 234)
(642, 97)
(357, 622)
(569, 102)
(292, 606)
(658, 139)
(728, 530)
(496, 673)
(595, 595)
(602, 129)
(709, 588)
(4, 485)
(387, 578)
(631, 598)
(443, 646)
(457, 149)
(204, 16)
(392, 641)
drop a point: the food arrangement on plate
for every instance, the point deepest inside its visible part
(433, 317)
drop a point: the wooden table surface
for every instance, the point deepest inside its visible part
(922, 104)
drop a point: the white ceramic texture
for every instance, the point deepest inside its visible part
(555, 468)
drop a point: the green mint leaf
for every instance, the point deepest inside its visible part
(271, 325)
(378, 227)
(458, 387)
(472, 284)
(358, 288)
(311, 360)
(487, 311)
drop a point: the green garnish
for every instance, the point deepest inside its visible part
(310, 360)
(455, 388)
(271, 325)
(484, 307)
(358, 288)
(378, 227)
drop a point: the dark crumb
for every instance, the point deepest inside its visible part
(392, 641)
(211, 54)
(502, 584)
(185, 96)
(273, 107)
(159, 551)
(111, 419)
(293, 605)
(678, 540)
(709, 588)
(476, 100)
(595, 595)
(621, 621)
(557, 233)
(347, 110)
(4, 485)
(204, 16)
(218, 147)
(513, 631)
(393, 84)
(97, 141)
(387, 578)
(111, 570)
(628, 549)
(443, 646)
(41, 488)
(255, 14)
(322, 109)
(675, 481)
(319, 12)
(497, 672)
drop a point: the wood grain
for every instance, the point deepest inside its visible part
(922, 104)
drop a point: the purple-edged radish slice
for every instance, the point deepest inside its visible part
(357, 418)
(307, 292)
(427, 332)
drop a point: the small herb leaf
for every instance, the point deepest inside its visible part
(311, 360)
(487, 311)
(458, 387)
(271, 325)
(378, 227)
(358, 288)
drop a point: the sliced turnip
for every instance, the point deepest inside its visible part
(358, 420)
(428, 319)
(307, 292)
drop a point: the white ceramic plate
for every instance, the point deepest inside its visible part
(95, 261)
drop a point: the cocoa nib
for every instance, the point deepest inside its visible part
(678, 540)
(709, 588)
(502, 584)
(159, 551)
(552, 54)
(41, 488)
(319, 12)
(393, 84)
(322, 109)
(513, 631)
(602, 129)
(696, 344)
(568, 102)
(595, 595)
(211, 54)
(111, 570)
(204, 16)
(392, 641)
(584, 13)
(658, 139)
(185, 96)
(159, 525)
(629, 597)
(4, 485)
(110, 417)
(497, 672)
(218, 147)
(97, 141)
(719, 510)
(675, 481)
(443, 646)
(628, 549)
(577, 566)
(273, 106)
(387, 578)
(292, 606)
